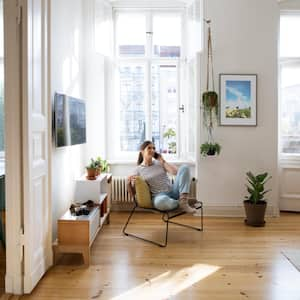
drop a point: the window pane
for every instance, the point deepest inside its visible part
(132, 107)
(166, 36)
(289, 32)
(164, 107)
(290, 109)
(131, 35)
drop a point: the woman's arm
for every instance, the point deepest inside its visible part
(131, 184)
(172, 169)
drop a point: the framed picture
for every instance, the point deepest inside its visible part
(238, 99)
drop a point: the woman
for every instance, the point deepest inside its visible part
(153, 169)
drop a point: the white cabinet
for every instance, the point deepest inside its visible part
(95, 190)
(77, 233)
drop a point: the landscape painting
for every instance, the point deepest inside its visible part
(237, 99)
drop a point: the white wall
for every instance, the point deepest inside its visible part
(67, 76)
(77, 70)
(244, 36)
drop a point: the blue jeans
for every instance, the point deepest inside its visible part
(170, 200)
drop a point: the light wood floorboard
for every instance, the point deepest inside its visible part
(227, 261)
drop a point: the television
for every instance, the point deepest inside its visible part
(69, 120)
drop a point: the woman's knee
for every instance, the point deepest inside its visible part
(184, 169)
(164, 202)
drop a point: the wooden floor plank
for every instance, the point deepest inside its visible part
(227, 261)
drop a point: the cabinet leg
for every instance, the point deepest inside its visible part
(107, 219)
(86, 256)
(56, 254)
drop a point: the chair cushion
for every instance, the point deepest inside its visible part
(143, 195)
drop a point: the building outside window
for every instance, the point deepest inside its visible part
(289, 65)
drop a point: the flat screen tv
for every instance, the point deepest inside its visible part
(69, 120)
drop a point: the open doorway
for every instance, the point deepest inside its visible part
(2, 159)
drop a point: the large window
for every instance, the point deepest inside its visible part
(289, 62)
(148, 56)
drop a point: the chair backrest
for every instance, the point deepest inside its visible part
(143, 195)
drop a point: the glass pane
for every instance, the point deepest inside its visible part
(166, 35)
(164, 107)
(131, 35)
(289, 32)
(132, 107)
(290, 109)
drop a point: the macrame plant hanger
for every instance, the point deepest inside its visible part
(210, 97)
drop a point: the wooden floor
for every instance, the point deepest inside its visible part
(227, 261)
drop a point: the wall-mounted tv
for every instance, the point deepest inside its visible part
(69, 120)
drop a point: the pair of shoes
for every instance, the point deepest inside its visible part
(184, 205)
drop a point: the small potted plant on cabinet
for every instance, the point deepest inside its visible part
(91, 169)
(255, 204)
(102, 164)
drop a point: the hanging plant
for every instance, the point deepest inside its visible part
(210, 104)
(210, 149)
(209, 97)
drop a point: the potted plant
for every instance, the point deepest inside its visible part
(102, 164)
(91, 169)
(255, 204)
(210, 108)
(210, 104)
(210, 149)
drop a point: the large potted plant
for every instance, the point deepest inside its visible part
(255, 203)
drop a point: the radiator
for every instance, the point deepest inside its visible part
(119, 193)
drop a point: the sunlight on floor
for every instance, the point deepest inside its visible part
(169, 283)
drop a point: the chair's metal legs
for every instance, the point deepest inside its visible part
(200, 206)
(166, 217)
(164, 244)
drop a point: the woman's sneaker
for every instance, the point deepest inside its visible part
(184, 205)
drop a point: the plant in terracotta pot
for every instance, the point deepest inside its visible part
(91, 169)
(255, 203)
(210, 149)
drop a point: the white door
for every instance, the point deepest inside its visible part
(28, 230)
(37, 225)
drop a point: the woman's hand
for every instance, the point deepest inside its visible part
(161, 159)
(131, 179)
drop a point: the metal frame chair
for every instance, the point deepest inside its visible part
(167, 216)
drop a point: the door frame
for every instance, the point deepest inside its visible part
(13, 147)
(15, 76)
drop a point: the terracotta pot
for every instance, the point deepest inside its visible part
(255, 213)
(91, 173)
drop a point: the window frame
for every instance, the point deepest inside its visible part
(284, 61)
(149, 59)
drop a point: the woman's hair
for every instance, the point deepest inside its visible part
(142, 147)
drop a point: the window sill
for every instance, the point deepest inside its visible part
(133, 162)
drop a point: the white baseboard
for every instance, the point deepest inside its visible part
(211, 210)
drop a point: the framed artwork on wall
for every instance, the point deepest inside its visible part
(238, 99)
